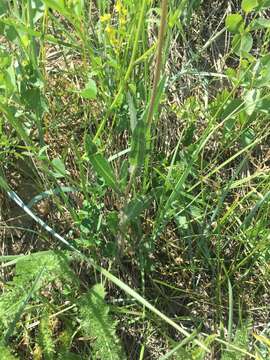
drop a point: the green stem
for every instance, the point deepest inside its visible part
(32, 39)
(161, 37)
(128, 73)
(150, 116)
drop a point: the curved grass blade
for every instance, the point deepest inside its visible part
(265, 199)
(119, 283)
(101, 165)
(48, 193)
(138, 146)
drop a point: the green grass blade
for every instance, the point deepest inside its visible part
(127, 289)
(101, 165)
(138, 146)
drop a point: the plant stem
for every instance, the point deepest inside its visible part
(128, 72)
(161, 37)
(150, 115)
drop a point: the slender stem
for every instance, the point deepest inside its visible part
(128, 72)
(150, 115)
(32, 39)
(161, 37)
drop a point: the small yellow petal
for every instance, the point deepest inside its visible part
(105, 18)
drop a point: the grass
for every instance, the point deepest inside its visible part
(134, 176)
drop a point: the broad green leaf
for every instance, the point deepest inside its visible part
(138, 145)
(77, 6)
(234, 23)
(6, 82)
(263, 79)
(12, 26)
(38, 8)
(90, 90)
(263, 4)
(160, 92)
(10, 33)
(59, 168)
(58, 5)
(259, 24)
(264, 105)
(100, 164)
(124, 173)
(136, 206)
(247, 137)
(242, 44)
(251, 98)
(174, 18)
(71, 356)
(249, 5)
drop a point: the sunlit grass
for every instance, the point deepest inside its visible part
(134, 137)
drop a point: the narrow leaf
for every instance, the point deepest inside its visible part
(132, 112)
(263, 339)
(100, 164)
(138, 145)
(140, 203)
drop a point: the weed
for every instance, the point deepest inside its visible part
(145, 129)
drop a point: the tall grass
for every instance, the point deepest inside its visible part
(135, 136)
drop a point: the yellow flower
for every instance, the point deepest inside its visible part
(122, 12)
(123, 21)
(111, 32)
(105, 18)
(118, 6)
